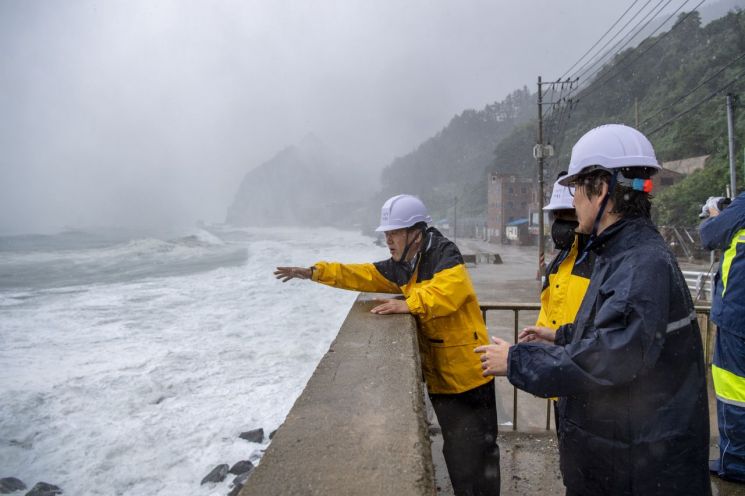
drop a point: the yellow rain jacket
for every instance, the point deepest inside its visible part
(564, 287)
(441, 297)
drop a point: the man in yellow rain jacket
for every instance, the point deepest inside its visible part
(428, 270)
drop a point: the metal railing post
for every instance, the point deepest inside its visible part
(514, 389)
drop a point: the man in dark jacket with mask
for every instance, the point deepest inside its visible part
(630, 369)
(566, 281)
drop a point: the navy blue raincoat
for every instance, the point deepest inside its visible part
(726, 231)
(633, 412)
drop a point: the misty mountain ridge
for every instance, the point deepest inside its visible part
(446, 169)
(307, 184)
(454, 162)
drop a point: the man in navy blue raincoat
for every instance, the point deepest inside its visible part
(630, 374)
(726, 231)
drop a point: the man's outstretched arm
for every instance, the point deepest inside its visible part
(355, 277)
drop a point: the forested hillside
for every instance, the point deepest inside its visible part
(679, 79)
(454, 162)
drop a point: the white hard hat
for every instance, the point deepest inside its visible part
(402, 211)
(561, 199)
(612, 146)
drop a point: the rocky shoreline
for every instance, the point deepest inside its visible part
(241, 469)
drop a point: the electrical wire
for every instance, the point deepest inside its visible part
(601, 38)
(617, 66)
(692, 91)
(695, 106)
(652, 15)
(585, 68)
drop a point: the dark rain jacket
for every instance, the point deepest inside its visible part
(633, 412)
(726, 231)
(440, 295)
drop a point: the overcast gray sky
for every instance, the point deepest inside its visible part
(150, 112)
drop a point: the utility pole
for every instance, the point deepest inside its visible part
(731, 135)
(636, 112)
(541, 242)
(542, 151)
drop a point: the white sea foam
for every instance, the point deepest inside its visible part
(140, 386)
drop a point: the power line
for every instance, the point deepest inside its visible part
(692, 91)
(601, 38)
(586, 68)
(557, 122)
(695, 106)
(617, 65)
(652, 15)
(554, 118)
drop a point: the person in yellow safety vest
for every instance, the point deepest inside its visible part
(725, 230)
(565, 282)
(428, 270)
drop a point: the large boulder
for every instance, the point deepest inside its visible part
(44, 489)
(217, 474)
(241, 467)
(10, 485)
(254, 435)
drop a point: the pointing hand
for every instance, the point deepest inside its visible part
(287, 273)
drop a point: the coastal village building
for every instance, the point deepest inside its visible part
(509, 198)
(675, 170)
(512, 201)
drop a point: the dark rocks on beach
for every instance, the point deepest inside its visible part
(254, 436)
(10, 485)
(44, 489)
(241, 467)
(217, 474)
(271, 434)
(239, 481)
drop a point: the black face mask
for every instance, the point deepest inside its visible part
(562, 232)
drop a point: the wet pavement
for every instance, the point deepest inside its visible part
(529, 455)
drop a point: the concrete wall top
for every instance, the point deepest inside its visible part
(359, 426)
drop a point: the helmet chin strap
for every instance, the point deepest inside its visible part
(598, 218)
(409, 245)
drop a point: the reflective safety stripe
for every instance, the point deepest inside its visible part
(678, 324)
(729, 255)
(729, 387)
(731, 402)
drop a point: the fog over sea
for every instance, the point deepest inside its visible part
(130, 362)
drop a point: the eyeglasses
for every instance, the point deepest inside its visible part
(575, 183)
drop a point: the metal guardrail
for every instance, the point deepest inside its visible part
(516, 308)
(700, 284)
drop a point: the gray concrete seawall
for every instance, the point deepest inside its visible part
(359, 426)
